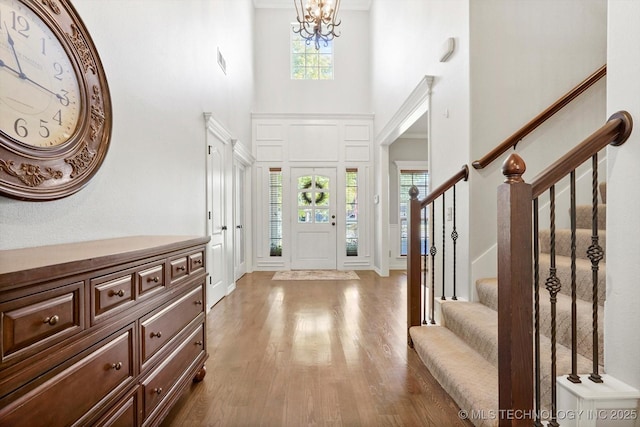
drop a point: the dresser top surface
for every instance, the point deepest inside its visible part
(17, 264)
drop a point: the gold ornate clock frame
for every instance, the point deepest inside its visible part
(29, 172)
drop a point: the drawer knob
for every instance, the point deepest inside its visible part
(198, 261)
(119, 293)
(156, 334)
(155, 279)
(199, 343)
(157, 390)
(181, 268)
(117, 366)
(199, 302)
(51, 320)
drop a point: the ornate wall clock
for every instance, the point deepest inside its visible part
(55, 108)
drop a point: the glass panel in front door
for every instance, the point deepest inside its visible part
(314, 199)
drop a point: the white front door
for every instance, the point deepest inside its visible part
(216, 225)
(313, 218)
(239, 244)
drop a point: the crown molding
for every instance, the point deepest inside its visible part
(411, 110)
(288, 4)
(242, 153)
(312, 116)
(217, 129)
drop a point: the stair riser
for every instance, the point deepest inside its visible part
(584, 278)
(584, 217)
(563, 327)
(487, 291)
(563, 242)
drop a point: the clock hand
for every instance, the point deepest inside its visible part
(3, 64)
(21, 74)
(24, 77)
(42, 87)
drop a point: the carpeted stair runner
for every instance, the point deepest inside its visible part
(462, 352)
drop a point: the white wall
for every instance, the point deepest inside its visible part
(348, 92)
(622, 345)
(160, 61)
(425, 26)
(523, 58)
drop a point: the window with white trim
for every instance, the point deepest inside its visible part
(307, 63)
(407, 179)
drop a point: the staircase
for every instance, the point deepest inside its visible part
(462, 351)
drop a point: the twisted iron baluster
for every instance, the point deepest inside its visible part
(423, 254)
(595, 254)
(553, 286)
(442, 297)
(573, 377)
(454, 237)
(536, 313)
(433, 252)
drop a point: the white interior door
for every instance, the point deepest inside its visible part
(216, 225)
(313, 218)
(239, 244)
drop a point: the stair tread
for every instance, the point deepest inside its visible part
(467, 376)
(488, 293)
(476, 324)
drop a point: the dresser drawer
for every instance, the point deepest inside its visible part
(159, 327)
(67, 396)
(123, 414)
(35, 322)
(178, 268)
(196, 262)
(185, 265)
(159, 383)
(150, 280)
(111, 294)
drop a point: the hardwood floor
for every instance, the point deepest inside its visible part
(313, 353)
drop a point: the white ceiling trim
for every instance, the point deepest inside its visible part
(288, 4)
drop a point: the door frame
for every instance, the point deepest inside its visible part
(242, 156)
(215, 129)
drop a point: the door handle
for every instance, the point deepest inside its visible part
(223, 228)
(238, 226)
(333, 223)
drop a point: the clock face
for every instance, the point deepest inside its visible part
(40, 99)
(55, 108)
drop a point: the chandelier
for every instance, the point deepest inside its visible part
(317, 21)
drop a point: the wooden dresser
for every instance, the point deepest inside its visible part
(105, 333)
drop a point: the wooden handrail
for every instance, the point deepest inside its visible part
(540, 118)
(615, 132)
(463, 174)
(516, 201)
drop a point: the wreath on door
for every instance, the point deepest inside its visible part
(320, 196)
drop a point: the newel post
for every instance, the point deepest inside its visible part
(515, 296)
(413, 263)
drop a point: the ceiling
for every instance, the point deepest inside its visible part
(418, 130)
(288, 4)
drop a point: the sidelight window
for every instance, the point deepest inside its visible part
(275, 211)
(351, 220)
